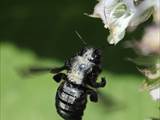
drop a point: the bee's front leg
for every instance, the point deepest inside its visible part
(95, 84)
(103, 82)
(60, 76)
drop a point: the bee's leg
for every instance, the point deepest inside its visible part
(59, 76)
(93, 95)
(103, 82)
(98, 84)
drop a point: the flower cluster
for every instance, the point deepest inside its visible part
(118, 15)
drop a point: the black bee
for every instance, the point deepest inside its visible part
(79, 82)
(82, 72)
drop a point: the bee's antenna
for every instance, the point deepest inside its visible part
(80, 37)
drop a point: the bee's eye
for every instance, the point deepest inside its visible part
(94, 56)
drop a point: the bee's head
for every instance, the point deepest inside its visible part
(83, 64)
(91, 54)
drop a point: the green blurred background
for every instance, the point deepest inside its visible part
(42, 33)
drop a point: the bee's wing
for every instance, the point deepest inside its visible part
(34, 70)
(57, 69)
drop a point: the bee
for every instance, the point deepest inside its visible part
(77, 83)
(81, 75)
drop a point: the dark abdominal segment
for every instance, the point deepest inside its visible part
(70, 101)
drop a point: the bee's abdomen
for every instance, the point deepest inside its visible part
(70, 102)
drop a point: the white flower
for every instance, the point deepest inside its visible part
(155, 93)
(157, 13)
(117, 15)
(150, 43)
